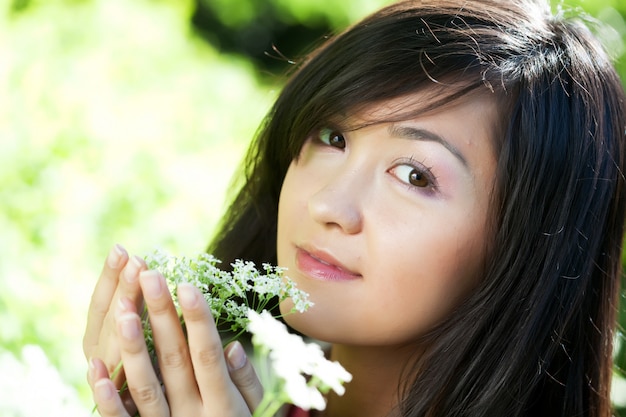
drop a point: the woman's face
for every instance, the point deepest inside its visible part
(386, 226)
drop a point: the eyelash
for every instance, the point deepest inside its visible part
(430, 187)
(421, 169)
(332, 133)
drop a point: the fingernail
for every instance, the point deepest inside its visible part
(131, 273)
(115, 256)
(187, 297)
(104, 390)
(236, 356)
(129, 326)
(151, 284)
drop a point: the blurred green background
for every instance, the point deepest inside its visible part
(123, 121)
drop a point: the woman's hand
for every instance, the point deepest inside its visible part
(199, 377)
(119, 279)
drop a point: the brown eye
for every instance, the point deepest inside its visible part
(332, 138)
(413, 176)
(418, 178)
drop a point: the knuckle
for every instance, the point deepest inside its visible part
(245, 379)
(175, 358)
(146, 395)
(133, 347)
(209, 356)
(99, 306)
(99, 309)
(159, 307)
(199, 314)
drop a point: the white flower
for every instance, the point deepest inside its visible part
(300, 299)
(333, 375)
(219, 286)
(303, 395)
(266, 330)
(265, 284)
(291, 359)
(301, 372)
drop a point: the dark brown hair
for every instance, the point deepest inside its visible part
(535, 338)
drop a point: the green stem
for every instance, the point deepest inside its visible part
(269, 406)
(273, 408)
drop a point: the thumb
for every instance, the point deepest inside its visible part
(243, 375)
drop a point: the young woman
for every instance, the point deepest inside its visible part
(445, 179)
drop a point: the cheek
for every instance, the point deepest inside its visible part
(426, 284)
(411, 285)
(291, 208)
(418, 268)
(432, 265)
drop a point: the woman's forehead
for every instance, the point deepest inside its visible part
(423, 102)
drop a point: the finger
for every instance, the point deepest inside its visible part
(129, 284)
(141, 379)
(207, 356)
(105, 346)
(171, 345)
(243, 375)
(97, 371)
(103, 395)
(102, 297)
(107, 400)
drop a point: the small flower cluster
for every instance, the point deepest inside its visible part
(227, 292)
(300, 372)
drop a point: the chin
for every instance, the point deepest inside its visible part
(301, 322)
(285, 307)
(308, 324)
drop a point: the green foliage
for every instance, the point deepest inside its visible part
(607, 20)
(227, 292)
(306, 12)
(119, 124)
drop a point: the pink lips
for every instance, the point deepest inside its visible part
(322, 266)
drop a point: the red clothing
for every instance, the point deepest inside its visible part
(297, 412)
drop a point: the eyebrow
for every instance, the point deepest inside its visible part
(408, 132)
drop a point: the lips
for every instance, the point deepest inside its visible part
(322, 266)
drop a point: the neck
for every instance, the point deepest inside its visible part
(376, 376)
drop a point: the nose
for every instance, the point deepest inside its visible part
(338, 205)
